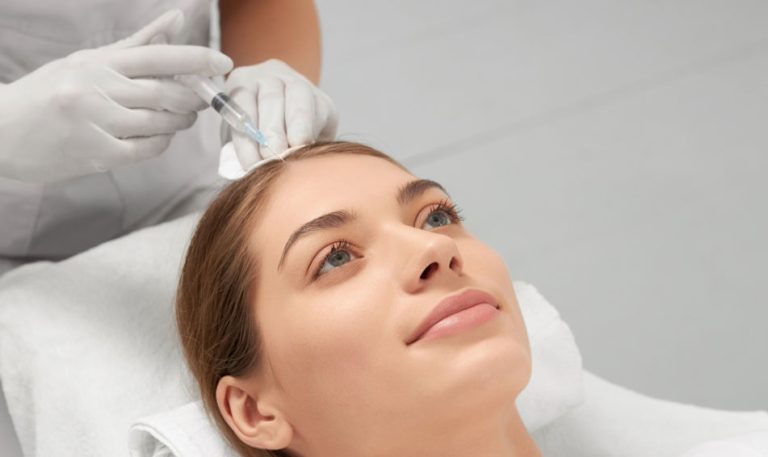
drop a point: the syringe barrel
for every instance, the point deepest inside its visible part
(231, 112)
(228, 109)
(203, 87)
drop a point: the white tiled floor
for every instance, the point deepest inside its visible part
(614, 152)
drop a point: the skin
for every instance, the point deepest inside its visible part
(253, 31)
(340, 379)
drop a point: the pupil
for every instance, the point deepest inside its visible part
(339, 257)
(438, 218)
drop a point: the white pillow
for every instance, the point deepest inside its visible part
(88, 346)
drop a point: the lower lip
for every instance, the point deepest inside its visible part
(462, 320)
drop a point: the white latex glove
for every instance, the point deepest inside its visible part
(99, 108)
(284, 105)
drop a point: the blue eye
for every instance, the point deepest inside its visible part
(444, 213)
(338, 256)
(438, 218)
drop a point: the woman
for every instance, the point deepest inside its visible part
(302, 304)
(92, 122)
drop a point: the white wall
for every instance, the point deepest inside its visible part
(614, 152)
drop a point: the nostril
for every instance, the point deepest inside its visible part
(429, 270)
(454, 263)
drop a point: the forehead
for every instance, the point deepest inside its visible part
(333, 181)
(311, 187)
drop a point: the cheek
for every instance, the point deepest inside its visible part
(485, 264)
(328, 349)
(482, 261)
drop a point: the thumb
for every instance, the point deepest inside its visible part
(161, 30)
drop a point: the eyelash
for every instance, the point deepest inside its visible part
(453, 211)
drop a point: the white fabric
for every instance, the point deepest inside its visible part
(66, 217)
(105, 318)
(751, 444)
(723, 449)
(556, 384)
(88, 347)
(611, 422)
(230, 167)
(614, 421)
(184, 431)
(555, 388)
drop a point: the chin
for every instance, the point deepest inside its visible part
(496, 353)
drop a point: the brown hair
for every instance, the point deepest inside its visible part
(214, 309)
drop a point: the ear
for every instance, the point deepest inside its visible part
(253, 417)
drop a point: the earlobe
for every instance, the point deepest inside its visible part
(254, 420)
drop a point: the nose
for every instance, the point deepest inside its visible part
(434, 258)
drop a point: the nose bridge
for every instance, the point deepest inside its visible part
(424, 257)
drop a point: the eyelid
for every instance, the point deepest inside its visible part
(323, 254)
(325, 251)
(451, 208)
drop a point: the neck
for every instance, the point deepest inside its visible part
(493, 437)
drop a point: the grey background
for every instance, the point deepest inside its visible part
(613, 152)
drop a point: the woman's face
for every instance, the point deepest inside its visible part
(337, 304)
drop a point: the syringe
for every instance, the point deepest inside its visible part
(225, 106)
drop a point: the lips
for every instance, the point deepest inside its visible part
(452, 305)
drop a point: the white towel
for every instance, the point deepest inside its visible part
(751, 444)
(615, 421)
(184, 431)
(555, 388)
(88, 346)
(612, 422)
(723, 449)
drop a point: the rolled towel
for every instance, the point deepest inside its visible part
(615, 421)
(98, 329)
(612, 422)
(722, 449)
(751, 444)
(183, 431)
(555, 388)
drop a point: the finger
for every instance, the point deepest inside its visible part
(158, 94)
(271, 105)
(247, 76)
(165, 27)
(127, 123)
(327, 109)
(248, 152)
(137, 148)
(111, 152)
(102, 151)
(300, 113)
(169, 60)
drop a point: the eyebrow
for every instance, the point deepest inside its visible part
(406, 194)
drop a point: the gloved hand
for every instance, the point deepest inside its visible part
(99, 108)
(284, 105)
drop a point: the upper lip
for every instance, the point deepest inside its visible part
(452, 304)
